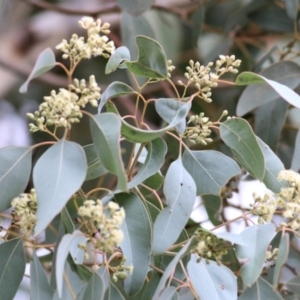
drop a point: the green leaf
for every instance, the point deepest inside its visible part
(137, 135)
(154, 161)
(168, 271)
(112, 293)
(261, 289)
(264, 90)
(273, 167)
(95, 288)
(167, 109)
(57, 175)
(116, 59)
(169, 293)
(283, 252)
(296, 156)
(294, 285)
(291, 8)
(153, 182)
(253, 254)
(238, 135)
(45, 62)
(152, 60)
(67, 221)
(106, 140)
(269, 120)
(180, 192)
(136, 245)
(213, 206)
(114, 90)
(95, 167)
(204, 167)
(61, 256)
(15, 168)
(39, 285)
(135, 7)
(12, 267)
(212, 281)
(231, 237)
(76, 253)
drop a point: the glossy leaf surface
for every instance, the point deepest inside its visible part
(180, 192)
(204, 167)
(57, 175)
(15, 167)
(238, 135)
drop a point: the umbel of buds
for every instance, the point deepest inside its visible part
(24, 211)
(102, 224)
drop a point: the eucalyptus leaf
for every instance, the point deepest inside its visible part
(169, 293)
(296, 156)
(291, 8)
(112, 292)
(213, 206)
(115, 89)
(95, 288)
(45, 62)
(257, 239)
(135, 7)
(151, 61)
(154, 161)
(282, 257)
(67, 221)
(115, 61)
(246, 78)
(180, 192)
(136, 245)
(39, 285)
(204, 167)
(167, 109)
(261, 289)
(95, 167)
(15, 167)
(294, 285)
(106, 141)
(238, 135)
(57, 175)
(12, 267)
(212, 281)
(136, 135)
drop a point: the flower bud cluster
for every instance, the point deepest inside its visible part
(24, 213)
(200, 132)
(202, 77)
(63, 108)
(170, 68)
(287, 201)
(103, 223)
(209, 246)
(96, 45)
(121, 271)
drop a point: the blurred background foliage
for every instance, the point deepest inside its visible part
(262, 33)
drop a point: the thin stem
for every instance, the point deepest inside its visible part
(162, 272)
(135, 159)
(231, 221)
(82, 194)
(96, 190)
(155, 194)
(64, 68)
(174, 88)
(69, 286)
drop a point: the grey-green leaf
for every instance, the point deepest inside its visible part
(296, 156)
(273, 167)
(57, 175)
(212, 281)
(152, 60)
(115, 89)
(12, 267)
(136, 135)
(135, 7)
(169, 293)
(180, 192)
(106, 140)
(136, 245)
(95, 288)
(282, 256)
(294, 285)
(253, 254)
(204, 167)
(115, 61)
(45, 62)
(39, 285)
(260, 290)
(155, 159)
(264, 90)
(95, 167)
(291, 8)
(167, 109)
(15, 167)
(238, 135)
